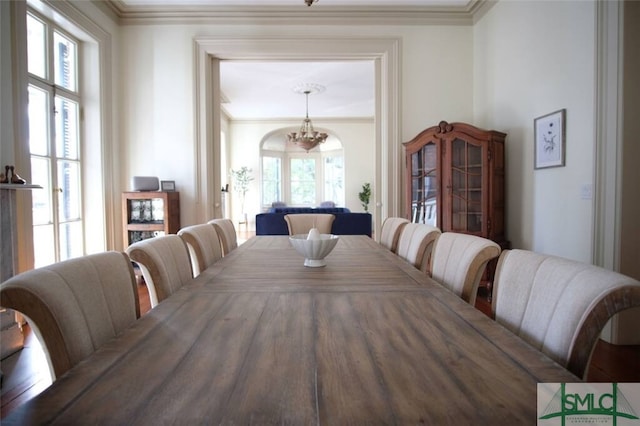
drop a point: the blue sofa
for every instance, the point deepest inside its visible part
(345, 223)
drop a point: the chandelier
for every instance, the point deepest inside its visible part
(307, 138)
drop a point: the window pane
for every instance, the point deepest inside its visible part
(71, 240)
(334, 180)
(66, 128)
(38, 128)
(69, 196)
(64, 54)
(36, 36)
(303, 181)
(41, 198)
(271, 176)
(43, 245)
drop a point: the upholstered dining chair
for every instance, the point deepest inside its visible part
(558, 305)
(75, 306)
(227, 233)
(390, 232)
(416, 242)
(301, 223)
(164, 263)
(459, 260)
(204, 246)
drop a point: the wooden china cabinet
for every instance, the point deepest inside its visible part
(455, 178)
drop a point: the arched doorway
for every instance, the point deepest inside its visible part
(294, 177)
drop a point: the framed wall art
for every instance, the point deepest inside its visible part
(167, 185)
(549, 140)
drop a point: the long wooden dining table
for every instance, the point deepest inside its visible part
(258, 338)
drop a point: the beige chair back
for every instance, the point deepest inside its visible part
(390, 232)
(165, 265)
(557, 305)
(416, 242)
(204, 246)
(459, 260)
(301, 223)
(227, 233)
(75, 306)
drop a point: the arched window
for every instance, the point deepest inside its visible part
(298, 178)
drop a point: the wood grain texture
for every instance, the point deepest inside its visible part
(260, 339)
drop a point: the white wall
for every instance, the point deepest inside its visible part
(501, 74)
(532, 58)
(157, 107)
(157, 72)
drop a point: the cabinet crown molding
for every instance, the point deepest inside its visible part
(444, 127)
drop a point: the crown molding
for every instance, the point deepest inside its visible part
(286, 15)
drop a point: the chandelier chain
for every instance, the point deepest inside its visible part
(307, 138)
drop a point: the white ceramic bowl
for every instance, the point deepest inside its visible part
(314, 251)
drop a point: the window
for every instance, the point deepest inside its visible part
(334, 179)
(54, 141)
(271, 180)
(300, 178)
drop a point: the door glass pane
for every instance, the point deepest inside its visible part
(43, 247)
(334, 180)
(466, 187)
(64, 55)
(66, 128)
(36, 37)
(41, 198)
(69, 193)
(424, 180)
(54, 142)
(38, 122)
(303, 181)
(459, 219)
(271, 176)
(70, 240)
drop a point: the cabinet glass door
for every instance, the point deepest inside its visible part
(466, 187)
(424, 190)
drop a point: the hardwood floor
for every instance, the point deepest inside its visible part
(26, 373)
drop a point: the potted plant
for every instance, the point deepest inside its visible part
(241, 179)
(365, 196)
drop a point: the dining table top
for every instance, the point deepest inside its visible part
(258, 338)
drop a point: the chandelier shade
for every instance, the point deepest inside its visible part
(307, 138)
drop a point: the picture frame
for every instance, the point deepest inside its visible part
(549, 140)
(167, 185)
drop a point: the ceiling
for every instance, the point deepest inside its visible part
(264, 90)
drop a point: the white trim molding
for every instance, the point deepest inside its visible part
(103, 221)
(384, 51)
(608, 149)
(246, 14)
(608, 146)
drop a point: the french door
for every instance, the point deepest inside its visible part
(54, 142)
